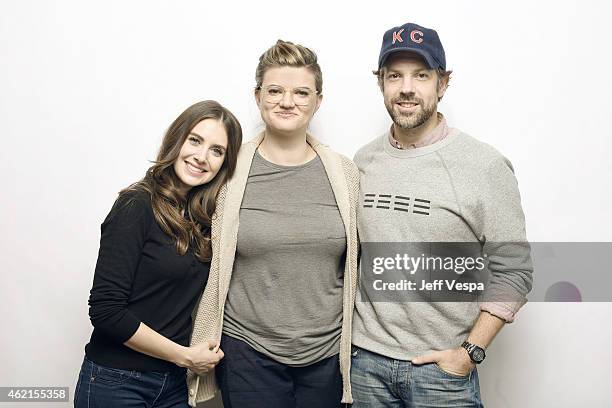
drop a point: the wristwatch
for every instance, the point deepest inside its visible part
(477, 354)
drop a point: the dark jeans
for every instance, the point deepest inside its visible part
(249, 379)
(382, 382)
(105, 387)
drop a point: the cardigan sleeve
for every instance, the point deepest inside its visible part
(123, 234)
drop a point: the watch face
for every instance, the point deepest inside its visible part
(478, 354)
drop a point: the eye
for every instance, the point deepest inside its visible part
(194, 140)
(393, 75)
(302, 92)
(274, 91)
(422, 75)
(217, 151)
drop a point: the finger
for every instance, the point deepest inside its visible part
(213, 345)
(204, 369)
(427, 358)
(213, 359)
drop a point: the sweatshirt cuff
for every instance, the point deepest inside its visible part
(504, 310)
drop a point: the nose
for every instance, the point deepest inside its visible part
(287, 100)
(201, 154)
(407, 85)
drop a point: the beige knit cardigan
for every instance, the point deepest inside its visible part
(344, 179)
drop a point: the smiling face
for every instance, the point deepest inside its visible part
(411, 90)
(285, 116)
(201, 155)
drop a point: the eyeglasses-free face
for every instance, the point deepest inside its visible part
(201, 155)
(411, 90)
(287, 99)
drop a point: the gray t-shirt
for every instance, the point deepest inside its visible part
(285, 296)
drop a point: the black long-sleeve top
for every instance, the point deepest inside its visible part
(140, 277)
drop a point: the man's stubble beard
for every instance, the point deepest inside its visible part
(413, 120)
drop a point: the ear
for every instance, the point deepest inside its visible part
(257, 95)
(442, 85)
(319, 100)
(380, 78)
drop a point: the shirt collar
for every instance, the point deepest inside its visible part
(437, 134)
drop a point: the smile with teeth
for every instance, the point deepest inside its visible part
(193, 169)
(407, 104)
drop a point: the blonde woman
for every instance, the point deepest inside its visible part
(283, 275)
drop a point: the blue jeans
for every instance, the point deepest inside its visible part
(382, 382)
(106, 387)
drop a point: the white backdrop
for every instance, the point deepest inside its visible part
(88, 88)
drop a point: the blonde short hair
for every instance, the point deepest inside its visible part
(285, 53)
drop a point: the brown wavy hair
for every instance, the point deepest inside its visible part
(161, 182)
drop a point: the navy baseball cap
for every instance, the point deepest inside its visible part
(413, 38)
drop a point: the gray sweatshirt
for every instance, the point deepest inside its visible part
(455, 190)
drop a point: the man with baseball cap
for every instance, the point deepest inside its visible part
(425, 182)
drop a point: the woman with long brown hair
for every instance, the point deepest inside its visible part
(153, 263)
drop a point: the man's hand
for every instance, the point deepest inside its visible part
(453, 361)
